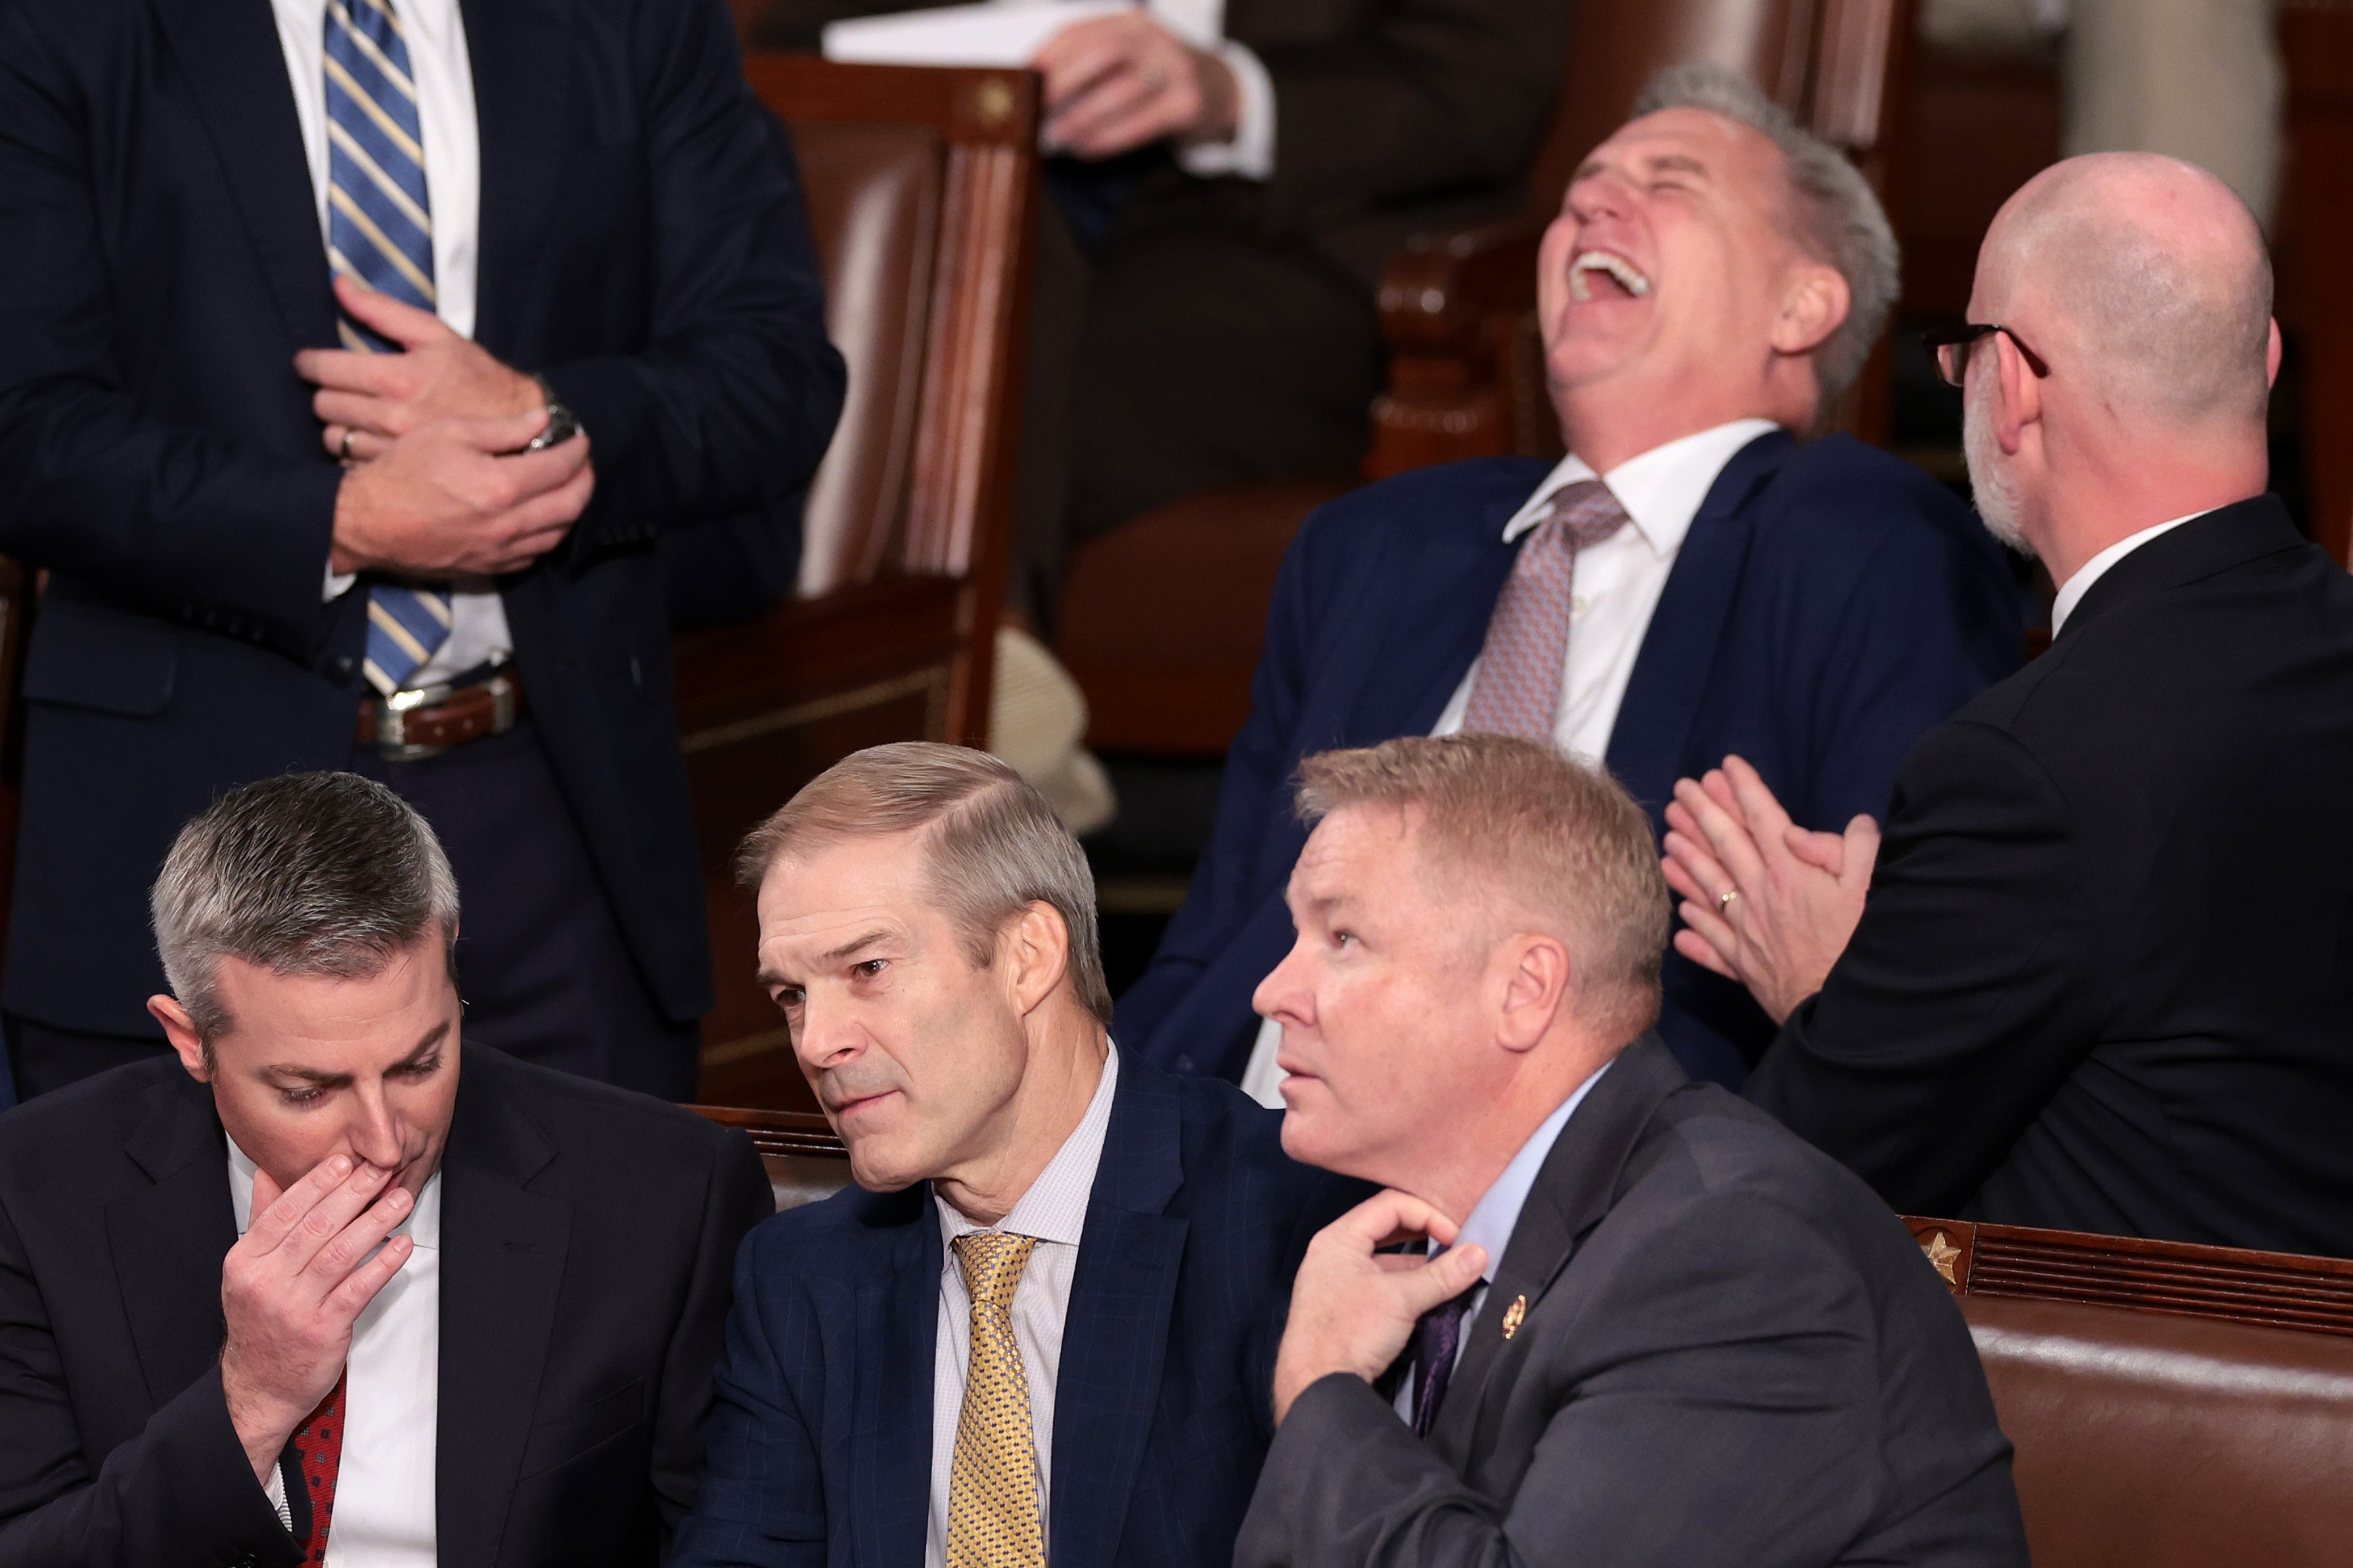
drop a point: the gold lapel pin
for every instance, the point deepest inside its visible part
(1513, 1315)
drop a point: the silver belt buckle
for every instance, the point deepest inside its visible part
(392, 716)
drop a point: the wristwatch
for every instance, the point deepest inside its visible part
(562, 424)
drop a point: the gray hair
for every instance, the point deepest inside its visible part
(311, 874)
(994, 845)
(1833, 216)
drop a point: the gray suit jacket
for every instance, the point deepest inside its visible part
(1731, 1353)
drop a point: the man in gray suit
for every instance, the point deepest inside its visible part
(1657, 1328)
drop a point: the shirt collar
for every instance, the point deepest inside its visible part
(422, 1227)
(2071, 593)
(1661, 490)
(1497, 1213)
(1055, 1206)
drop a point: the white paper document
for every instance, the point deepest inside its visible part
(985, 35)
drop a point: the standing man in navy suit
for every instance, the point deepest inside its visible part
(354, 354)
(1688, 581)
(1043, 1325)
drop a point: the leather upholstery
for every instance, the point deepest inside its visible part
(875, 196)
(2171, 1442)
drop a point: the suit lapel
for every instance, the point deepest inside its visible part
(168, 1239)
(521, 55)
(1423, 653)
(1670, 677)
(1572, 1193)
(502, 1250)
(1115, 1335)
(894, 1344)
(235, 71)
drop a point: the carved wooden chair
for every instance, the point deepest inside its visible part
(2172, 1405)
(919, 184)
(1162, 619)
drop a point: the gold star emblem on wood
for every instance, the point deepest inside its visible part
(1942, 1256)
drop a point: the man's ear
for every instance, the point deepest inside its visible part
(1815, 300)
(2018, 394)
(1036, 948)
(1537, 986)
(180, 1030)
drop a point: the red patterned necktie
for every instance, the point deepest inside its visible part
(319, 1443)
(1518, 692)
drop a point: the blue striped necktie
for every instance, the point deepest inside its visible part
(380, 231)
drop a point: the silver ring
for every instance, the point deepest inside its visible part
(344, 451)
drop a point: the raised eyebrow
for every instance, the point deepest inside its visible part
(854, 946)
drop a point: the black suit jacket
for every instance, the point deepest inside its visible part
(1390, 116)
(2103, 979)
(1731, 1353)
(586, 1239)
(640, 243)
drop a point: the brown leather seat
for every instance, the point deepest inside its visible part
(806, 1163)
(2173, 1407)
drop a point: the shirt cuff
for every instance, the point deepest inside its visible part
(337, 584)
(1250, 154)
(276, 1492)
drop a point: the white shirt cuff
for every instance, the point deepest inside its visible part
(276, 1492)
(1250, 154)
(337, 584)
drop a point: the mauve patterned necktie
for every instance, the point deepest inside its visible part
(1518, 692)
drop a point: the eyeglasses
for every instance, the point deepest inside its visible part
(1950, 346)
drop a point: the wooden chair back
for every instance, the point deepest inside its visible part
(2172, 1405)
(805, 1160)
(920, 183)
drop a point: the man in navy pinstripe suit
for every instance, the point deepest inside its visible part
(1046, 1319)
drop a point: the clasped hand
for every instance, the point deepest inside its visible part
(290, 1290)
(429, 489)
(1354, 1307)
(1766, 902)
(1116, 83)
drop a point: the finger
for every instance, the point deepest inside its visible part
(403, 323)
(1073, 69)
(508, 435)
(1727, 836)
(275, 1216)
(1693, 946)
(355, 409)
(1823, 851)
(1705, 922)
(1703, 873)
(350, 1298)
(346, 370)
(1862, 849)
(1759, 806)
(1442, 1278)
(1125, 109)
(557, 505)
(1389, 1217)
(349, 1246)
(326, 1219)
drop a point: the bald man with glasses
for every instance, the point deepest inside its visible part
(2098, 973)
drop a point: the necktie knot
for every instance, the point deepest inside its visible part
(1524, 662)
(1582, 515)
(992, 1261)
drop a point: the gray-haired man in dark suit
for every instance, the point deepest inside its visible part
(1658, 1328)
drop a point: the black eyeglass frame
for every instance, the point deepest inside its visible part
(1938, 338)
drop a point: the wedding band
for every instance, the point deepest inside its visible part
(1724, 900)
(344, 451)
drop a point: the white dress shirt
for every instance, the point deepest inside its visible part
(384, 1509)
(1250, 154)
(1054, 1210)
(453, 187)
(1497, 1214)
(1619, 582)
(2071, 593)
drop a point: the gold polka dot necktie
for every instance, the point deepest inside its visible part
(992, 1484)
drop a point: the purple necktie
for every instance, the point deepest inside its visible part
(1435, 1339)
(1517, 690)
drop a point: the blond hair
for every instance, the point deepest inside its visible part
(993, 846)
(1551, 839)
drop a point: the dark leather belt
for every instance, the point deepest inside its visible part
(410, 725)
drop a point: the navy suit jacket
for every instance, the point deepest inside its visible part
(641, 243)
(821, 1447)
(1829, 606)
